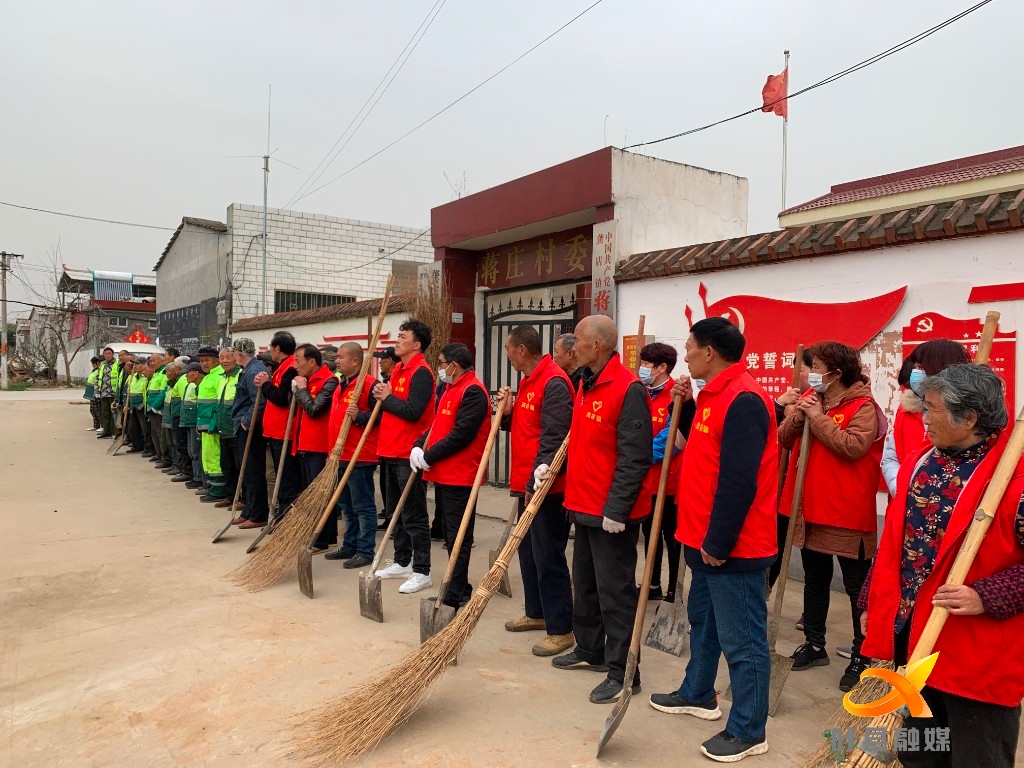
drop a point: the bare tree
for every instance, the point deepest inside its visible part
(434, 307)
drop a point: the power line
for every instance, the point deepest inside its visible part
(830, 79)
(108, 221)
(445, 109)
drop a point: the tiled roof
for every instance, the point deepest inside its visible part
(285, 320)
(215, 226)
(940, 174)
(974, 216)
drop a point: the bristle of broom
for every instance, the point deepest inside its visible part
(890, 723)
(268, 564)
(342, 730)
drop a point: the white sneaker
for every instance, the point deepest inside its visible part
(395, 571)
(415, 583)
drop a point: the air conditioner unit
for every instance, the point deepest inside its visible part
(223, 312)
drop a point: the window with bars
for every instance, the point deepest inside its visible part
(291, 301)
(117, 322)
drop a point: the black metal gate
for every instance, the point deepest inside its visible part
(549, 309)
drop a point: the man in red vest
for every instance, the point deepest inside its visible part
(408, 410)
(277, 393)
(726, 497)
(609, 455)
(314, 392)
(539, 418)
(450, 456)
(358, 506)
(975, 689)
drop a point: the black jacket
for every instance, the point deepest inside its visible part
(421, 392)
(474, 409)
(555, 421)
(280, 396)
(319, 406)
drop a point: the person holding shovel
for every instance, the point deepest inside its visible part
(727, 486)
(976, 686)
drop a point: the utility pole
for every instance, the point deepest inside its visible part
(266, 177)
(5, 267)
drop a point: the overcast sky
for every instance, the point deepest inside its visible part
(128, 110)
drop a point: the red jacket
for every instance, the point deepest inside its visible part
(980, 657)
(908, 433)
(342, 398)
(527, 413)
(313, 432)
(461, 467)
(275, 418)
(698, 482)
(659, 421)
(397, 436)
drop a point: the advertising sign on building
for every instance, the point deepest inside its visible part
(602, 283)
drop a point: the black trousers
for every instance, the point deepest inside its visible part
(156, 422)
(137, 428)
(412, 531)
(453, 505)
(382, 480)
(312, 465)
(817, 588)
(229, 464)
(107, 415)
(781, 529)
(147, 433)
(666, 542)
(542, 562)
(604, 575)
(179, 436)
(291, 475)
(254, 476)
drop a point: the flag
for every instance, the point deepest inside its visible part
(79, 324)
(775, 92)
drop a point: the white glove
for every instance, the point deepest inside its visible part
(295, 387)
(416, 461)
(540, 474)
(612, 526)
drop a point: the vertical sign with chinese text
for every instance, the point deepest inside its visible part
(602, 282)
(631, 346)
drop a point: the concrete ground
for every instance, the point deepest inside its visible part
(123, 645)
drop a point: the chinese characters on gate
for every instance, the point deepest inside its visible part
(602, 293)
(561, 256)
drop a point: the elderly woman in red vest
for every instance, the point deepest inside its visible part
(977, 684)
(839, 514)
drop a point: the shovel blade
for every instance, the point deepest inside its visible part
(304, 563)
(668, 632)
(619, 712)
(256, 542)
(505, 587)
(115, 446)
(781, 667)
(371, 606)
(433, 620)
(217, 536)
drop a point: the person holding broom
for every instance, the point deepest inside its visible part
(609, 455)
(977, 684)
(727, 486)
(538, 419)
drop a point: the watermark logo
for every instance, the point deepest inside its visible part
(906, 690)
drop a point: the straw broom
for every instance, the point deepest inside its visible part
(270, 562)
(342, 730)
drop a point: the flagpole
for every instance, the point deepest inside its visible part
(785, 124)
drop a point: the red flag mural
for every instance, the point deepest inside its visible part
(773, 328)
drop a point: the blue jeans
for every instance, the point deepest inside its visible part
(359, 509)
(728, 614)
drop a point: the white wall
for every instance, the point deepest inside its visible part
(315, 333)
(194, 269)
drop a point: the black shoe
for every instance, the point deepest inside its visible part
(103, 436)
(193, 485)
(807, 656)
(723, 747)
(339, 554)
(169, 469)
(146, 454)
(610, 690)
(357, 561)
(655, 593)
(382, 526)
(133, 450)
(670, 597)
(180, 479)
(155, 459)
(573, 661)
(208, 499)
(674, 705)
(436, 536)
(852, 674)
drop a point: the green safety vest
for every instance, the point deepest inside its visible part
(228, 384)
(207, 400)
(115, 377)
(177, 392)
(91, 384)
(157, 392)
(189, 405)
(137, 386)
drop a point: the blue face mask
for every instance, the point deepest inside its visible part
(646, 375)
(700, 383)
(917, 377)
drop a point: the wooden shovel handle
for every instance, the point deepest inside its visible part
(245, 453)
(988, 336)
(639, 341)
(284, 453)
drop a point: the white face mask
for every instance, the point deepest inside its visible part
(442, 375)
(817, 382)
(646, 375)
(700, 384)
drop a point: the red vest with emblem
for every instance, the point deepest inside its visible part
(908, 433)
(659, 420)
(342, 398)
(980, 657)
(459, 468)
(275, 418)
(838, 492)
(593, 444)
(397, 436)
(313, 432)
(526, 428)
(698, 481)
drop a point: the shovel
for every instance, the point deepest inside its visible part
(241, 472)
(121, 438)
(668, 632)
(305, 554)
(633, 659)
(275, 506)
(505, 588)
(434, 614)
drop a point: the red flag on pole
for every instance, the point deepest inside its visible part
(775, 92)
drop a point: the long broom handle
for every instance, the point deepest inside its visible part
(245, 453)
(798, 366)
(988, 335)
(639, 341)
(347, 473)
(983, 518)
(284, 452)
(467, 514)
(364, 371)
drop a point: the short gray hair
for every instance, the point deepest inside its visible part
(968, 388)
(568, 341)
(174, 367)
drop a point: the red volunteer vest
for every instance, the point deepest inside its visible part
(838, 492)
(659, 421)
(702, 460)
(313, 432)
(275, 418)
(980, 657)
(593, 444)
(342, 398)
(460, 468)
(908, 433)
(397, 436)
(527, 412)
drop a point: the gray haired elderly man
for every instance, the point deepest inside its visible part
(254, 480)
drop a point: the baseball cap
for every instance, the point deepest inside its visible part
(194, 367)
(387, 354)
(244, 345)
(208, 352)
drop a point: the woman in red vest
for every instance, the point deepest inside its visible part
(976, 686)
(839, 510)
